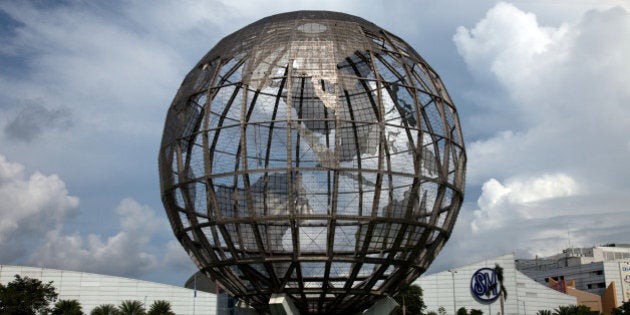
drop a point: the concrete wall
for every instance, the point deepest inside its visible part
(593, 301)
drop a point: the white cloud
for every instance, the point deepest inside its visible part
(29, 208)
(568, 88)
(506, 43)
(34, 209)
(559, 107)
(555, 173)
(500, 224)
(127, 253)
(518, 198)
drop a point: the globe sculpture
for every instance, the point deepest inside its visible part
(316, 155)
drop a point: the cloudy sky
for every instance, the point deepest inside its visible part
(541, 87)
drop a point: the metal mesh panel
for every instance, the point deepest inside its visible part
(315, 154)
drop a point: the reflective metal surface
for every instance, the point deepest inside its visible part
(315, 154)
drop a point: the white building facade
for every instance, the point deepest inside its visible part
(92, 290)
(593, 269)
(455, 288)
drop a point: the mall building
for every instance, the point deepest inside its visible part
(597, 277)
(92, 290)
(471, 287)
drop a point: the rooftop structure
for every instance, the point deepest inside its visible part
(316, 155)
(591, 269)
(577, 256)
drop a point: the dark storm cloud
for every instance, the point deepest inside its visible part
(34, 120)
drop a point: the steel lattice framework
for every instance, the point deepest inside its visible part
(314, 154)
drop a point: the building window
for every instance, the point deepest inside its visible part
(599, 285)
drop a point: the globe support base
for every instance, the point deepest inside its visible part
(382, 306)
(281, 304)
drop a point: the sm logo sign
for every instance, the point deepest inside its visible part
(484, 285)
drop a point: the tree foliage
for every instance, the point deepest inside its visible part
(574, 310)
(624, 309)
(129, 307)
(105, 309)
(464, 311)
(410, 298)
(67, 307)
(160, 307)
(26, 296)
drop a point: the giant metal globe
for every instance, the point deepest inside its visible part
(313, 154)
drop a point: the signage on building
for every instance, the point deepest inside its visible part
(484, 285)
(624, 267)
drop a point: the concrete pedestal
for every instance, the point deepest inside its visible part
(382, 307)
(281, 304)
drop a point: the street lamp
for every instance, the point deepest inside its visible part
(453, 272)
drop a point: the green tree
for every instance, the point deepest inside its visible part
(562, 310)
(160, 307)
(410, 301)
(67, 307)
(624, 309)
(543, 312)
(105, 309)
(583, 310)
(129, 307)
(574, 310)
(26, 296)
(462, 311)
(476, 312)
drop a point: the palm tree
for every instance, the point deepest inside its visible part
(543, 312)
(502, 292)
(574, 310)
(105, 309)
(160, 307)
(67, 307)
(129, 307)
(562, 310)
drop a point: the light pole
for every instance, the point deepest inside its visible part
(453, 272)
